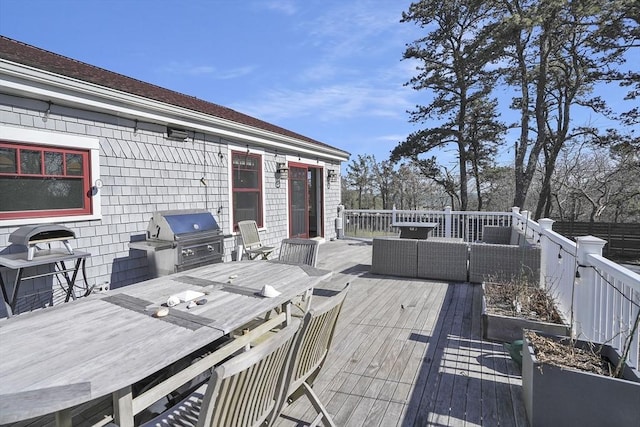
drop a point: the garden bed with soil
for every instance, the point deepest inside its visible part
(510, 307)
(571, 382)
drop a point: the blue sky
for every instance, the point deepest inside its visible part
(328, 69)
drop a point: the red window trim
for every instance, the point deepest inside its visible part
(86, 177)
(259, 190)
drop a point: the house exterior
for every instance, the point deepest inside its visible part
(100, 152)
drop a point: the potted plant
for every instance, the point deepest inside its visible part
(571, 382)
(514, 304)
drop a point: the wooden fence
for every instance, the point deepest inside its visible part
(623, 240)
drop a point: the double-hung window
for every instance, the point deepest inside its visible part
(247, 187)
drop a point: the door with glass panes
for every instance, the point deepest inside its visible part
(305, 201)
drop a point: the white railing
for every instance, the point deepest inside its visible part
(364, 223)
(597, 297)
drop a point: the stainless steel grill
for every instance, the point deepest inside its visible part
(178, 240)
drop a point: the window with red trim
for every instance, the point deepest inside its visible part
(247, 187)
(43, 181)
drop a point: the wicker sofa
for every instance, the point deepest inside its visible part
(503, 253)
(491, 261)
(442, 260)
(394, 256)
(432, 258)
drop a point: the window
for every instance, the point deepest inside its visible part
(44, 181)
(247, 187)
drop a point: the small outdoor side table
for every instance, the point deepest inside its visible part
(56, 258)
(415, 230)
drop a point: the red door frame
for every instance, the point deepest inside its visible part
(317, 170)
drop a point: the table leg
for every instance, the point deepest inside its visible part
(307, 296)
(63, 418)
(286, 307)
(10, 301)
(71, 281)
(5, 297)
(123, 407)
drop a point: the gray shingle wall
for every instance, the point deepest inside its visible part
(142, 172)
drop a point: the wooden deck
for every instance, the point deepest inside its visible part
(409, 353)
(406, 353)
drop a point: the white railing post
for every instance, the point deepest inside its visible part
(447, 221)
(546, 225)
(585, 323)
(393, 215)
(515, 215)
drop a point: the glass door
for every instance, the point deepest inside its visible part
(305, 195)
(298, 197)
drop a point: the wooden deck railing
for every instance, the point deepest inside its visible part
(597, 297)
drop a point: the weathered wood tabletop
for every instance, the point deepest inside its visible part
(56, 358)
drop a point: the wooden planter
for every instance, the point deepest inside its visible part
(496, 327)
(555, 396)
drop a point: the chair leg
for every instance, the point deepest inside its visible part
(319, 407)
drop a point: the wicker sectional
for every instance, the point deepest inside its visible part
(456, 261)
(394, 256)
(503, 262)
(442, 260)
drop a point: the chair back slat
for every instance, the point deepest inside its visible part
(313, 344)
(299, 251)
(250, 236)
(244, 390)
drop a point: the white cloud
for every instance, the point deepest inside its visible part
(358, 28)
(325, 103)
(206, 70)
(288, 7)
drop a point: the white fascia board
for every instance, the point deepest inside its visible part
(23, 80)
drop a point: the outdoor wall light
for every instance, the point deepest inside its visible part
(282, 170)
(332, 176)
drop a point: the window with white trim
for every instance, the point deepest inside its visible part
(47, 176)
(247, 187)
(43, 181)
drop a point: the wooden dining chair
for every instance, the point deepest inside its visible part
(251, 242)
(242, 392)
(299, 251)
(310, 353)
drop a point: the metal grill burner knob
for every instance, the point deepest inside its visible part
(187, 252)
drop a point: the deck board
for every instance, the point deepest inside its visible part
(409, 353)
(405, 353)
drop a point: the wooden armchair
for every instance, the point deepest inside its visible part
(243, 391)
(310, 353)
(299, 251)
(251, 242)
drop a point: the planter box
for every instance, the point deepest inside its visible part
(496, 327)
(555, 396)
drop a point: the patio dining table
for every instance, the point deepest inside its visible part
(54, 359)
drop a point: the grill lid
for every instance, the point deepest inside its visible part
(171, 225)
(32, 234)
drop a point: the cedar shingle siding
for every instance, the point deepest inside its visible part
(142, 169)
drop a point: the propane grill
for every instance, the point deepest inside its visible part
(178, 240)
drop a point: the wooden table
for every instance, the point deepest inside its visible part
(54, 359)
